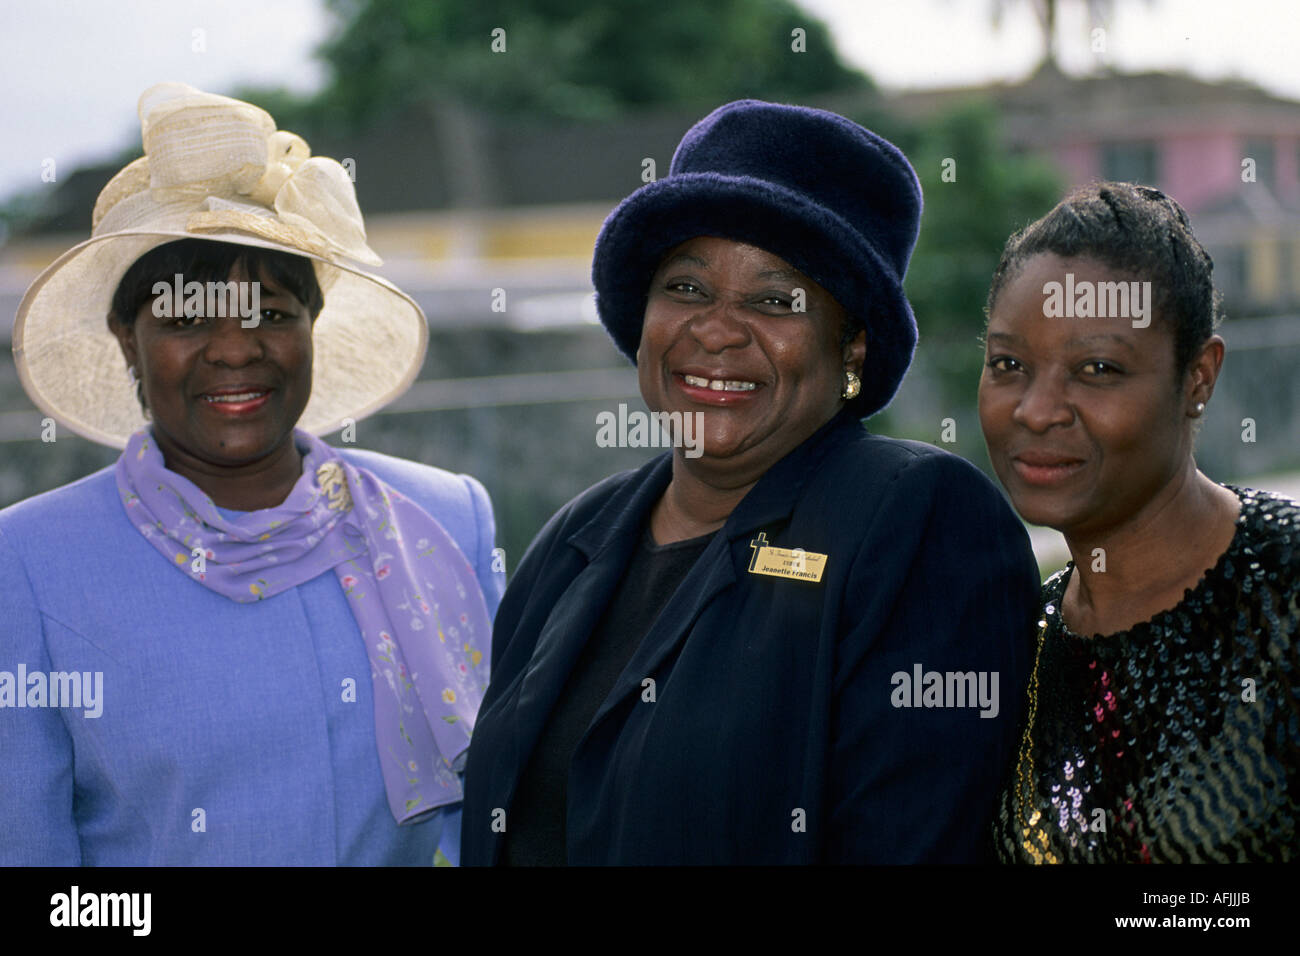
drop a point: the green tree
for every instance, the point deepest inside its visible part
(567, 59)
(977, 192)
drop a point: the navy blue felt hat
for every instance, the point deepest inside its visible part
(836, 201)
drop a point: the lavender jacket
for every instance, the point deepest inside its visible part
(207, 732)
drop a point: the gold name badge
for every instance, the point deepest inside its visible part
(793, 563)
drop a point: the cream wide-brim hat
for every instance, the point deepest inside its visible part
(216, 168)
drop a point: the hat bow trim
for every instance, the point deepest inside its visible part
(226, 161)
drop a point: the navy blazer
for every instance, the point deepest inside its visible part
(778, 731)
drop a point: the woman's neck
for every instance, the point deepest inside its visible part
(692, 506)
(264, 483)
(1127, 574)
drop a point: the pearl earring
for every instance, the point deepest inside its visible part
(1198, 409)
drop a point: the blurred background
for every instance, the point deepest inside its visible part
(482, 169)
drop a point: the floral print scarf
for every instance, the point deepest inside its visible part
(415, 597)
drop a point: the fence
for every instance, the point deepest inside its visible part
(518, 410)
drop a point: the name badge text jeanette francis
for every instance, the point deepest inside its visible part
(793, 563)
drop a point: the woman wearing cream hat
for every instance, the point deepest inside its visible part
(237, 645)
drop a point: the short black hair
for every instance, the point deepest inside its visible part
(206, 260)
(1133, 229)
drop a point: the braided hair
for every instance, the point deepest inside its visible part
(1131, 229)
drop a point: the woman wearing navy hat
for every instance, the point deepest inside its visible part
(800, 643)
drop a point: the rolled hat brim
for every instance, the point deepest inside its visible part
(814, 240)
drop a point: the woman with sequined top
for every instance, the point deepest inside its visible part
(1164, 715)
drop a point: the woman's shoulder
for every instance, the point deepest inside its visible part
(924, 472)
(83, 517)
(591, 500)
(868, 452)
(86, 502)
(582, 507)
(427, 485)
(615, 493)
(1270, 531)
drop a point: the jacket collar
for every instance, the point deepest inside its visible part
(768, 503)
(607, 541)
(775, 495)
(621, 518)
(772, 499)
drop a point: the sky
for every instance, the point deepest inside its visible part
(72, 70)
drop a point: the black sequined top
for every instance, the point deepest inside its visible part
(1177, 740)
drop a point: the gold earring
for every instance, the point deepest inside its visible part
(852, 385)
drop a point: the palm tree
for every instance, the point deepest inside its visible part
(1045, 10)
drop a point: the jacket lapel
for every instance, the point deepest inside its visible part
(674, 622)
(767, 506)
(607, 541)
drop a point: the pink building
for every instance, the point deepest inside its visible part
(1229, 152)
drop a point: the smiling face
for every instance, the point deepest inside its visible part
(722, 336)
(222, 395)
(1086, 419)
